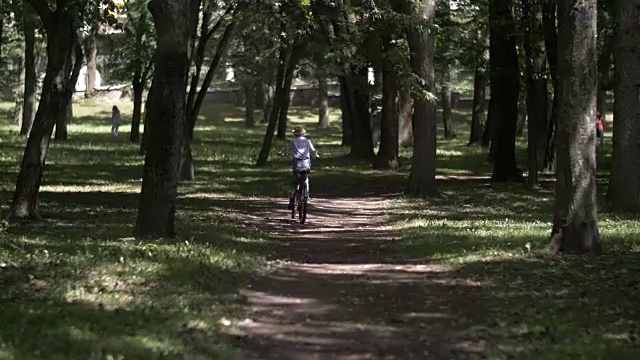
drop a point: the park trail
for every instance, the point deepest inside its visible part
(336, 288)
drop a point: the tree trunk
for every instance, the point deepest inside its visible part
(488, 129)
(624, 189)
(145, 132)
(405, 111)
(91, 52)
(195, 98)
(359, 114)
(323, 102)
(64, 114)
(136, 117)
(537, 107)
(30, 75)
(249, 104)
(285, 99)
(604, 66)
(445, 101)
(387, 157)
(575, 227)
(422, 179)
(551, 48)
(61, 40)
(504, 74)
(479, 105)
(166, 112)
(345, 111)
(274, 116)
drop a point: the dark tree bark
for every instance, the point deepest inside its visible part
(575, 227)
(488, 129)
(65, 113)
(136, 117)
(445, 102)
(551, 48)
(249, 104)
(91, 52)
(323, 102)
(479, 106)
(605, 52)
(422, 179)
(359, 113)
(345, 111)
(30, 75)
(166, 112)
(285, 99)
(61, 38)
(405, 111)
(145, 133)
(624, 189)
(504, 74)
(536, 85)
(387, 157)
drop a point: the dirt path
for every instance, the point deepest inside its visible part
(339, 290)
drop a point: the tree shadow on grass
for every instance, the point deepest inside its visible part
(60, 308)
(554, 308)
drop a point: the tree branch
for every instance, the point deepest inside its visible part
(218, 23)
(43, 10)
(222, 45)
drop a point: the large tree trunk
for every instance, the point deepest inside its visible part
(536, 85)
(445, 101)
(30, 75)
(166, 112)
(345, 111)
(91, 52)
(387, 157)
(504, 74)
(405, 111)
(422, 179)
(624, 190)
(359, 113)
(575, 227)
(323, 102)
(551, 48)
(61, 40)
(479, 105)
(136, 117)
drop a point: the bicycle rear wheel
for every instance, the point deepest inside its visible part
(302, 207)
(296, 201)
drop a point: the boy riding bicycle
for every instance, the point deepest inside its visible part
(301, 150)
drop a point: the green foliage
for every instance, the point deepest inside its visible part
(132, 51)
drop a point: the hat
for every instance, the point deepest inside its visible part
(299, 130)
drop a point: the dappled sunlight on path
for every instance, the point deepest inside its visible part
(337, 289)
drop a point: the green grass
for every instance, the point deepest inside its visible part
(78, 286)
(527, 305)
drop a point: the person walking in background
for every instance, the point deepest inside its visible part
(600, 126)
(116, 120)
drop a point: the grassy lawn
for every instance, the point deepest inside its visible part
(78, 286)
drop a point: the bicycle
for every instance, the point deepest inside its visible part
(301, 199)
